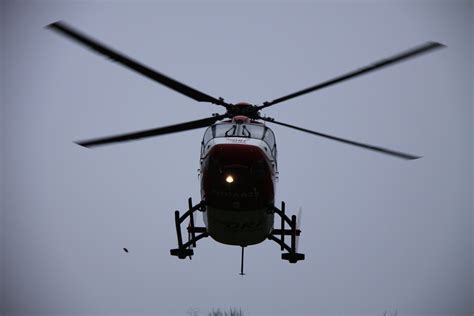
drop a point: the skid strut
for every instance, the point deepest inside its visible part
(185, 249)
(278, 235)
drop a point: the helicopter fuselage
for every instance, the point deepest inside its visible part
(238, 176)
(238, 157)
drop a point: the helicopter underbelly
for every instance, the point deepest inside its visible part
(238, 228)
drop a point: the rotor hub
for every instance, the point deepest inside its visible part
(243, 109)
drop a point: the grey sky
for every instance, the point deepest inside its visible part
(379, 233)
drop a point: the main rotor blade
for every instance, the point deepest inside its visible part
(100, 48)
(152, 132)
(350, 142)
(374, 66)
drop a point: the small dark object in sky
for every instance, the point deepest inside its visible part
(125, 249)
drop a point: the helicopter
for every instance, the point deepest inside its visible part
(238, 160)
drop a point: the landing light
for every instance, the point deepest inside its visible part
(229, 179)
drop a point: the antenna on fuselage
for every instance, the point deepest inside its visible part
(242, 262)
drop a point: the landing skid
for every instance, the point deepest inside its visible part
(278, 235)
(185, 250)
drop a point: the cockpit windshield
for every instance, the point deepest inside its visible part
(248, 130)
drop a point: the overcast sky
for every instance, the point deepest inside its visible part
(379, 233)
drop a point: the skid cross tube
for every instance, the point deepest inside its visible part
(280, 242)
(285, 232)
(195, 239)
(282, 214)
(197, 207)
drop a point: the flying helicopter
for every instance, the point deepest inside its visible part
(238, 159)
